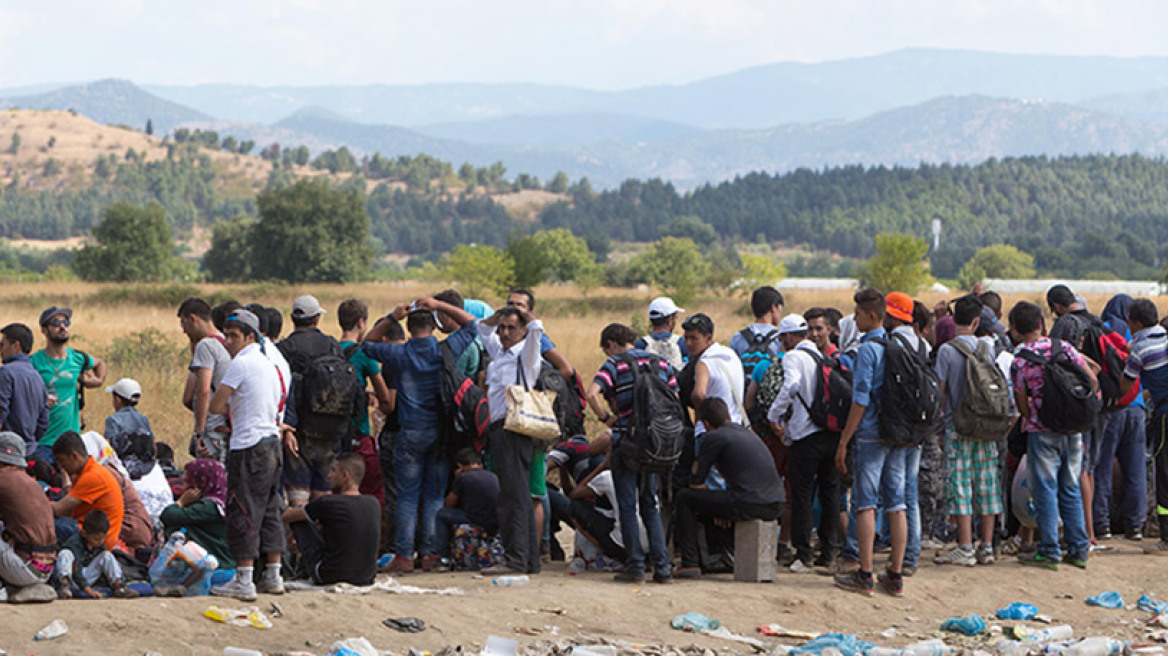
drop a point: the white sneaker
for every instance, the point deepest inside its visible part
(273, 585)
(798, 567)
(985, 554)
(931, 544)
(956, 556)
(236, 589)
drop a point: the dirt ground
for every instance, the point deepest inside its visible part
(595, 605)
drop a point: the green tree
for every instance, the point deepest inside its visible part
(899, 264)
(759, 271)
(676, 266)
(530, 260)
(229, 259)
(132, 243)
(149, 127)
(479, 270)
(997, 261)
(559, 183)
(14, 147)
(567, 255)
(692, 228)
(310, 232)
(229, 144)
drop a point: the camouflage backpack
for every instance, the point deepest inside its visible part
(768, 391)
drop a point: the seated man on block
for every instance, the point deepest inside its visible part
(338, 534)
(752, 483)
(473, 499)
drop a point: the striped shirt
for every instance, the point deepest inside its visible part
(1147, 362)
(615, 379)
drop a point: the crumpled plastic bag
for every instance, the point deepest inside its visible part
(1018, 611)
(1149, 605)
(846, 643)
(250, 616)
(971, 625)
(1106, 600)
(694, 622)
(353, 647)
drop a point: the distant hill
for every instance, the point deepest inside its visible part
(1150, 106)
(558, 130)
(757, 97)
(113, 102)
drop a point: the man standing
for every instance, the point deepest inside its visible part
(28, 544)
(811, 456)
(253, 392)
(719, 371)
(661, 341)
(353, 316)
(63, 371)
(337, 533)
(1147, 362)
(419, 464)
(24, 403)
(524, 301)
(635, 491)
(759, 341)
(209, 361)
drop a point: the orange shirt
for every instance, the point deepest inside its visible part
(97, 490)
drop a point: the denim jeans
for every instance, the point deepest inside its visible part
(635, 490)
(421, 479)
(1124, 439)
(880, 474)
(447, 520)
(1054, 484)
(912, 502)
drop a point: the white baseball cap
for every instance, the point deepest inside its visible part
(662, 307)
(306, 307)
(792, 323)
(127, 388)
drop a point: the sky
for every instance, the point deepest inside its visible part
(598, 44)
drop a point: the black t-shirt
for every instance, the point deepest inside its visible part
(744, 461)
(351, 527)
(478, 491)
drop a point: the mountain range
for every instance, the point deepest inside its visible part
(900, 108)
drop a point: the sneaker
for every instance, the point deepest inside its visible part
(985, 554)
(1076, 561)
(125, 592)
(882, 547)
(931, 543)
(236, 588)
(800, 567)
(606, 564)
(908, 570)
(1035, 559)
(629, 577)
(64, 591)
(170, 591)
(687, 573)
(662, 578)
(500, 570)
(957, 556)
(442, 565)
(893, 585)
(1158, 549)
(1134, 534)
(427, 563)
(37, 593)
(1105, 535)
(840, 566)
(855, 582)
(273, 585)
(399, 565)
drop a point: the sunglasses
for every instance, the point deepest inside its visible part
(57, 323)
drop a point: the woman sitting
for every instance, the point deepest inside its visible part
(200, 510)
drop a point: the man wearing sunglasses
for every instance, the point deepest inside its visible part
(64, 371)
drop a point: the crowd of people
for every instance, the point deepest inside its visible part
(892, 426)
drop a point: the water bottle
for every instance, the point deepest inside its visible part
(511, 581)
(930, 648)
(1096, 647)
(158, 573)
(886, 651)
(1014, 648)
(1053, 634)
(55, 629)
(241, 651)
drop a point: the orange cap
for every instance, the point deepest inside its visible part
(900, 306)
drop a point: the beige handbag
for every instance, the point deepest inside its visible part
(531, 412)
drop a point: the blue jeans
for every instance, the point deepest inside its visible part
(447, 520)
(912, 512)
(421, 479)
(1054, 463)
(1124, 438)
(635, 490)
(880, 474)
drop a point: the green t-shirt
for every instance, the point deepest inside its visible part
(366, 367)
(61, 376)
(468, 361)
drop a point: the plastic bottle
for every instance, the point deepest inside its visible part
(241, 651)
(886, 651)
(1053, 634)
(162, 561)
(1096, 647)
(55, 629)
(511, 581)
(1014, 648)
(930, 648)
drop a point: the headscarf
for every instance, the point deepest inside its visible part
(211, 479)
(1115, 313)
(101, 451)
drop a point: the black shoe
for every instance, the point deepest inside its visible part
(856, 582)
(557, 553)
(893, 584)
(1134, 534)
(629, 577)
(662, 579)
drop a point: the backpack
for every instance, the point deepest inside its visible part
(656, 430)
(764, 397)
(1108, 349)
(983, 412)
(758, 349)
(832, 401)
(667, 349)
(910, 403)
(465, 411)
(569, 404)
(1069, 404)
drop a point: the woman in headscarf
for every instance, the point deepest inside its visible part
(200, 510)
(1115, 314)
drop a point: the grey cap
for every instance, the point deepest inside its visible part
(54, 311)
(245, 319)
(12, 449)
(306, 307)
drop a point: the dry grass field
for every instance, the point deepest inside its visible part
(134, 328)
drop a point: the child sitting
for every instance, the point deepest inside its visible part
(128, 431)
(84, 562)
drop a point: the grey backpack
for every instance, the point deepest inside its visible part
(983, 412)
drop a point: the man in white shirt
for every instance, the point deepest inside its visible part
(811, 456)
(719, 371)
(253, 393)
(512, 339)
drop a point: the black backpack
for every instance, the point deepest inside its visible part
(758, 349)
(1069, 403)
(832, 401)
(656, 430)
(569, 404)
(465, 411)
(910, 400)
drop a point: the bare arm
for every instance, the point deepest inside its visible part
(64, 506)
(294, 514)
(560, 363)
(188, 395)
(97, 377)
(701, 383)
(219, 401)
(841, 453)
(599, 404)
(202, 398)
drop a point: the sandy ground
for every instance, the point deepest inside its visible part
(312, 621)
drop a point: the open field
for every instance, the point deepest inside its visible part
(107, 318)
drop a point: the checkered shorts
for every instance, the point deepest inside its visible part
(971, 476)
